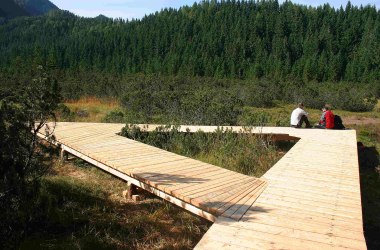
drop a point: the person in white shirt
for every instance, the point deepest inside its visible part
(299, 116)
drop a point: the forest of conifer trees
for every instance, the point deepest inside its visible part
(284, 51)
(236, 39)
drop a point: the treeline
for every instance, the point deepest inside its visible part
(224, 39)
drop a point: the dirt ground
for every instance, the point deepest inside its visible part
(352, 120)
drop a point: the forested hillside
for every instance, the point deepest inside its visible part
(227, 39)
(257, 51)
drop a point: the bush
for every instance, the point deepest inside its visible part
(210, 107)
(82, 113)
(201, 106)
(114, 117)
(23, 113)
(261, 95)
(64, 113)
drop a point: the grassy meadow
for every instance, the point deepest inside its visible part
(90, 109)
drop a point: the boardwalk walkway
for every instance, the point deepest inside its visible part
(310, 199)
(206, 190)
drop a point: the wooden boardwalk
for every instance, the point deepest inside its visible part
(310, 199)
(201, 188)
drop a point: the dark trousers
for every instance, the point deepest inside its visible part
(303, 120)
(320, 126)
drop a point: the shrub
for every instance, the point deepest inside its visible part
(201, 106)
(82, 113)
(114, 117)
(23, 113)
(210, 107)
(64, 113)
(261, 95)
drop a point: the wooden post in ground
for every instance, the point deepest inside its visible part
(63, 155)
(130, 193)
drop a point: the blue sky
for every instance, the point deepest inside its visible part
(129, 9)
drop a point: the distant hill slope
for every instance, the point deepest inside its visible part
(9, 9)
(37, 7)
(14, 8)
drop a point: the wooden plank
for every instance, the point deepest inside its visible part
(301, 213)
(158, 163)
(287, 237)
(176, 188)
(221, 207)
(305, 223)
(288, 205)
(140, 168)
(158, 182)
(227, 192)
(311, 202)
(213, 203)
(216, 181)
(220, 186)
(316, 190)
(174, 177)
(136, 158)
(322, 197)
(260, 240)
(347, 181)
(238, 214)
(177, 167)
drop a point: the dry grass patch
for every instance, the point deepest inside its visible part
(90, 109)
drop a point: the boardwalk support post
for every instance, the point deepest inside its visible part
(63, 155)
(131, 191)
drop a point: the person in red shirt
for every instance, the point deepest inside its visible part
(329, 118)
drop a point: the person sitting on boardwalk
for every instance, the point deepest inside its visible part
(322, 120)
(298, 117)
(329, 118)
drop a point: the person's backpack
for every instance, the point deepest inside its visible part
(338, 123)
